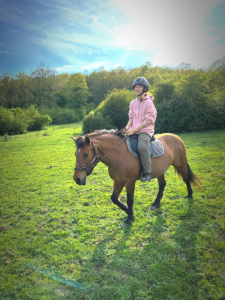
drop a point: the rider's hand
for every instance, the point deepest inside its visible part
(130, 131)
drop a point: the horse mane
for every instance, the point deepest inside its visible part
(80, 141)
(104, 131)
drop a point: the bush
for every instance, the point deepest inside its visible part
(36, 120)
(17, 120)
(93, 122)
(89, 107)
(183, 114)
(217, 110)
(62, 115)
(12, 121)
(191, 107)
(111, 113)
(116, 106)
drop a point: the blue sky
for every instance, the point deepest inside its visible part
(74, 36)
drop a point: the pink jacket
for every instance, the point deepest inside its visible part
(143, 112)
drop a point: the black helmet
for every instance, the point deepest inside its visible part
(141, 81)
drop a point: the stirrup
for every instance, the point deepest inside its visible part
(145, 177)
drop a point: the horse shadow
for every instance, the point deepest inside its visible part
(164, 267)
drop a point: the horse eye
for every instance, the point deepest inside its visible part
(85, 154)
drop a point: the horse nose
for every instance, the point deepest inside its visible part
(78, 180)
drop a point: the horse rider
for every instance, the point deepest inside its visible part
(142, 116)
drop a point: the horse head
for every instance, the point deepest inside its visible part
(86, 159)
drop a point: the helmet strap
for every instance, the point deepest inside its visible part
(143, 91)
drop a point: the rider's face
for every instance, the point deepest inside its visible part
(138, 89)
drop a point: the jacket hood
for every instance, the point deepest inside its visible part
(147, 97)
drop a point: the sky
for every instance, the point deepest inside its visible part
(84, 35)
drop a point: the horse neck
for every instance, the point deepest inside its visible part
(104, 144)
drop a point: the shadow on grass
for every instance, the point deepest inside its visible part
(165, 266)
(107, 266)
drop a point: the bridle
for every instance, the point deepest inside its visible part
(96, 159)
(89, 168)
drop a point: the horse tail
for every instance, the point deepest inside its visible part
(192, 177)
(189, 176)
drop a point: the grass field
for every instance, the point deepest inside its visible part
(59, 240)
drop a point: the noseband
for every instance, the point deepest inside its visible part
(89, 168)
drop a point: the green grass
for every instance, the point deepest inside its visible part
(71, 233)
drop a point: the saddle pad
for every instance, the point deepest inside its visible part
(155, 147)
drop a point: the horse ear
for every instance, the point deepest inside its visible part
(87, 140)
(75, 139)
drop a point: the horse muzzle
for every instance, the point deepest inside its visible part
(80, 182)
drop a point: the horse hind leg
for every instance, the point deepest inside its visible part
(188, 177)
(162, 184)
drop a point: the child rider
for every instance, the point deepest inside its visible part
(142, 116)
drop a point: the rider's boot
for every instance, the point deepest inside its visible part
(145, 177)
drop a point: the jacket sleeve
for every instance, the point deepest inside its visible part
(130, 114)
(150, 113)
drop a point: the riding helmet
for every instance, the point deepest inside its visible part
(141, 81)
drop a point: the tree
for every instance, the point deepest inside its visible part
(9, 92)
(102, 82)
(44, 85)
(218, 65)
(61, 81)
(4, 86)
(25, 96)
(165, 90)
(76, 91)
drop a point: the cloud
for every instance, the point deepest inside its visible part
(221, 41)
(79, 35)
(117, 65)
(215, 21)
(66, 69)
(81, 68)
(96, 65)
(173, 30)
(70, 17)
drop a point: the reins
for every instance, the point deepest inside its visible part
(89, 168)
(113, 148)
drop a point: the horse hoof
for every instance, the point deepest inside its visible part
(124, 225)
(152, 207)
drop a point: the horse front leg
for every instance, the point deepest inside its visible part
(162, 184)
(116, 192)
(130, 201)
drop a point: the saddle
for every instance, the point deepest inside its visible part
(155, 148)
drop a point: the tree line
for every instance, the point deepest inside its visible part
(186, 99)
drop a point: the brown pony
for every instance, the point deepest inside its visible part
(110, 148)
